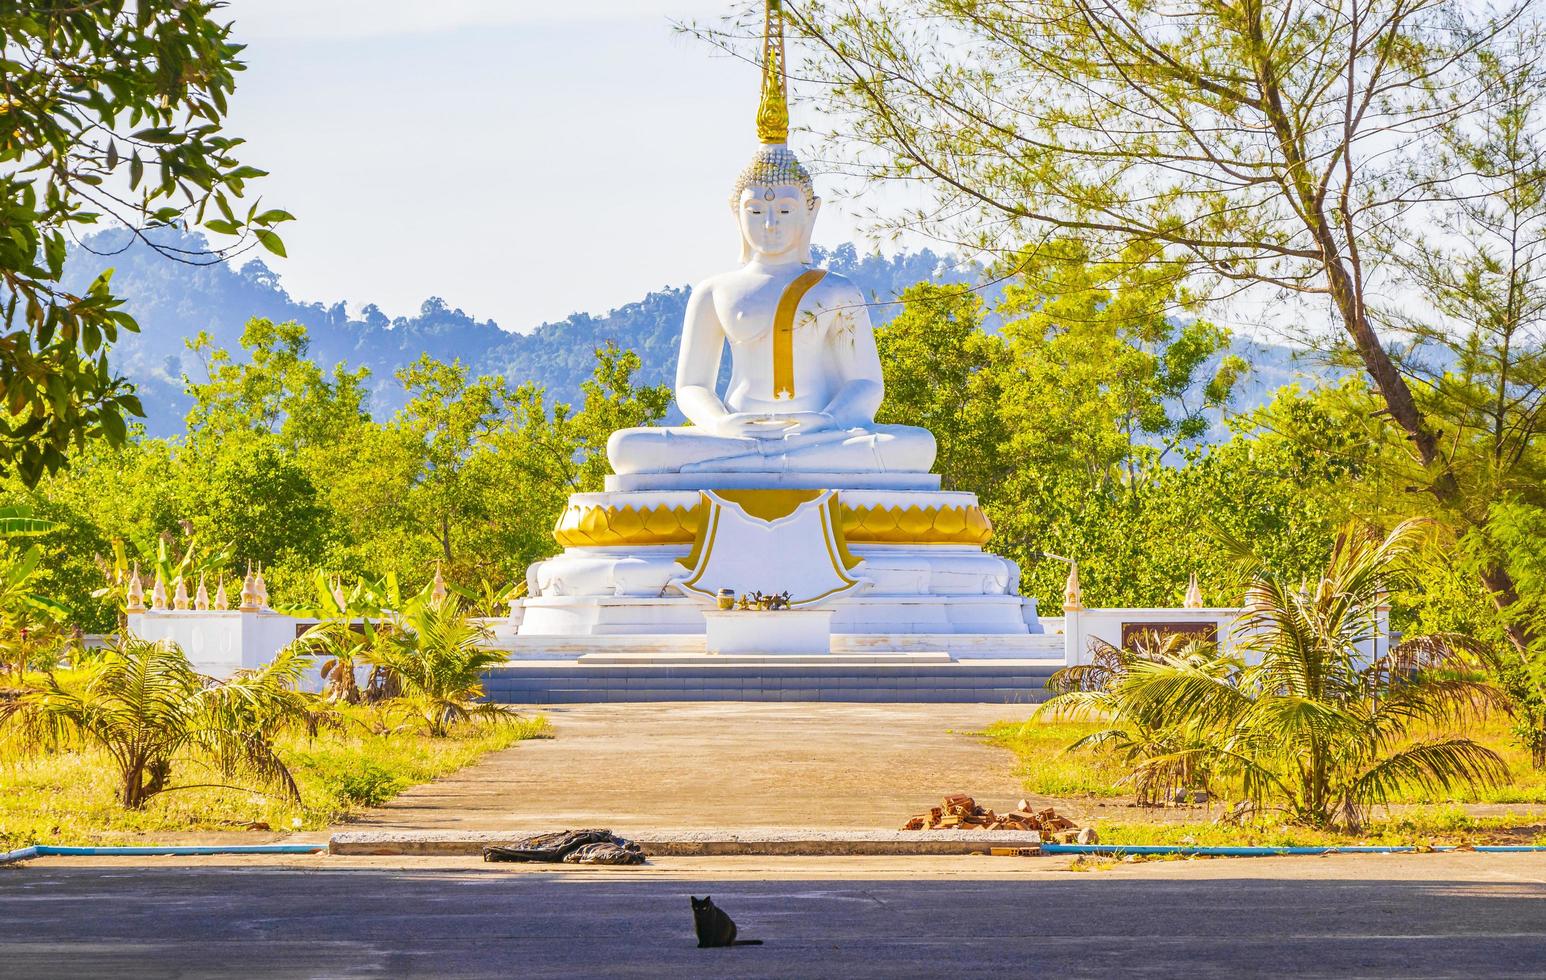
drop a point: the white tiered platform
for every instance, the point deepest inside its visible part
(929, 600)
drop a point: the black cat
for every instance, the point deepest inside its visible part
(714, 927)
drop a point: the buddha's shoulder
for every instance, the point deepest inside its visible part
(837, 287)
(832, 285)
(717, 279)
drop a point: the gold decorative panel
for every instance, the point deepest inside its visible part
(591, 525)
(587, 525)
(916, 525)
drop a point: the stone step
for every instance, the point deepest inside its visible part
(778, 661)
(1020, 696)
(958, 682)
(994, 646)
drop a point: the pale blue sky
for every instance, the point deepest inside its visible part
(523, 160)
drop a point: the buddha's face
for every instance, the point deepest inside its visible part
(775, 221)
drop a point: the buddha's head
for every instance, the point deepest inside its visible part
(775, 206)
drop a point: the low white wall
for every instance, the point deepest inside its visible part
(221, 642)
(1082, 627)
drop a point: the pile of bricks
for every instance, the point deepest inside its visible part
(960, 812)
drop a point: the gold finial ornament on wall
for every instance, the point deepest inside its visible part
(180, 597)
(773, 110)
(221, 602)
(1193, 598)
(136, 597)
(158, 592)
(251, 602)
(201, 597)
(1073, 598)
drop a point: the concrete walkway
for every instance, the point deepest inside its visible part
(721, 765)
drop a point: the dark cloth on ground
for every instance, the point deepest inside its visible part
(599, 847)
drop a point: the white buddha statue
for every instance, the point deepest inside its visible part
(805, 379)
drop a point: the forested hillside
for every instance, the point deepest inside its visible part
(173, 302)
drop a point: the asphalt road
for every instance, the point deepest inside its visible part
(1425, 916)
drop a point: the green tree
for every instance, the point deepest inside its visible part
(110, 109)
(448, 419)
(1479, 340)
(1095, 383)
(1257, 144)
(1106, 379)
(268, 437)
(277, 389)
(945, 374)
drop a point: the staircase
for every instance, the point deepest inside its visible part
(899, 678)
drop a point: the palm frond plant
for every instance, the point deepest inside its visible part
(1161, 760)
(1299, 715)
(437, 655)
(144, 705)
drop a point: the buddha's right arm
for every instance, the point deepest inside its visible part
(697, 366)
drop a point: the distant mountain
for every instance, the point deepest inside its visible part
(173, 301)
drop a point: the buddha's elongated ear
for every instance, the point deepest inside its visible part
(810, 227)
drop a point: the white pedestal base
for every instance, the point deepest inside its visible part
(929, 585)
(783, 631)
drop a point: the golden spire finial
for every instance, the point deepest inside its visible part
(1073, 595)
(773, 111)
(250, 600)
(1193, 598)
(136, 591)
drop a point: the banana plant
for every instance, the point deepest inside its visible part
(492, 598)
(30, 620)
(17, 521)
(349, 623)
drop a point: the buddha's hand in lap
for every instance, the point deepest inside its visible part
(809, 421)
(765, 425)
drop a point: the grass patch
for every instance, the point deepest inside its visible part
(1415, 827)
(1046, 769)
(71, 798)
